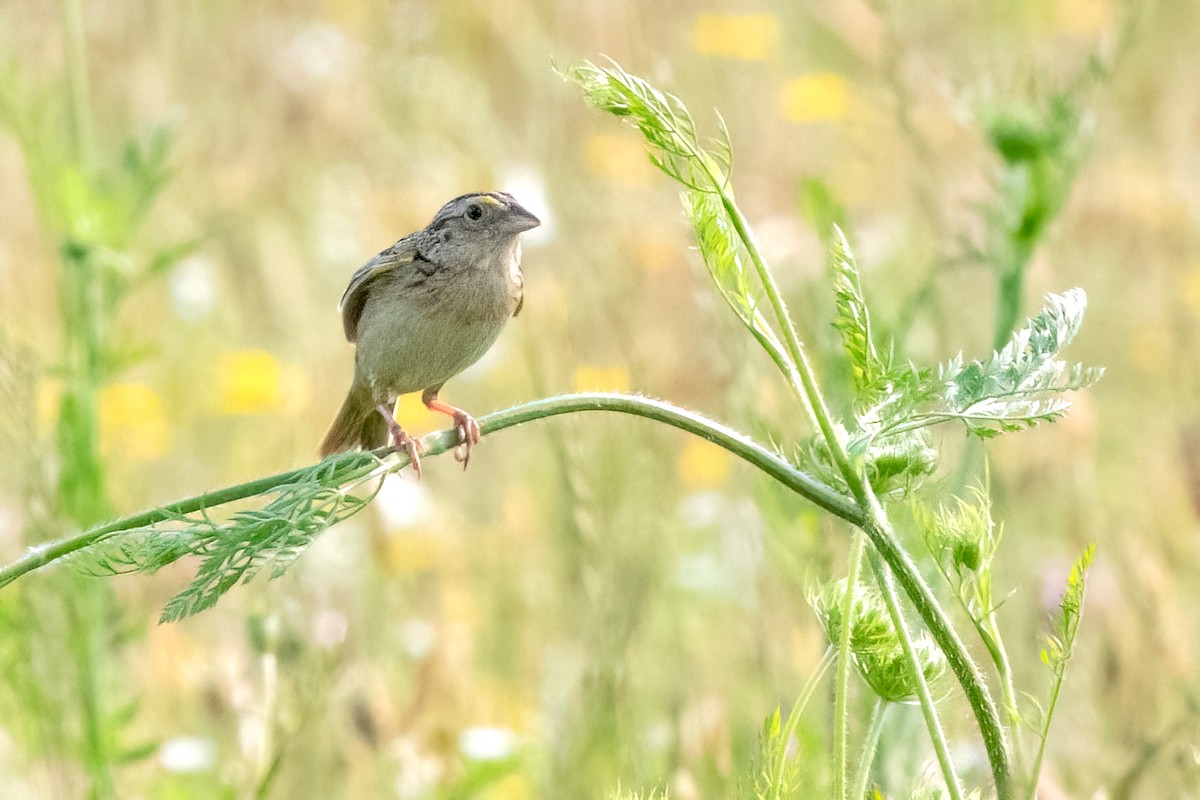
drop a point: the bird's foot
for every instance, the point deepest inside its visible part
(401, 441)
(468, 435)
(466, 425)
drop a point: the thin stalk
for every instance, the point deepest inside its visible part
(804, 372)
(358, 465)
(802, 381)
(793, 718)
(74, 45)
(928, 709)
(86, 643)
(870, 745)
(989, 633)
(1045, 735)
(841, 694)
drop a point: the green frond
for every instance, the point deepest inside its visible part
(777, 775)
(720, 249)
(1066, 623)
(235, 550)
(1019, 386)
(666, 125)
(1022, 384)
(1059, 645)
(702, 165)
(853, 320)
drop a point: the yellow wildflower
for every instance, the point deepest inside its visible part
(703, 465)
(1084, 17)
(132, 422)
(591, 378)
(618, 157)
(746, 37)
(815, 97)
(250, 382)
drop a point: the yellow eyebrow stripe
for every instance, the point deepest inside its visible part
(488, 199)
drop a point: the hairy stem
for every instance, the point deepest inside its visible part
(870, 744)
(877, 528)
(887, 587)
(793, 718)
(841, 694)
(352, 466)
(872, 522)
(907, 574)
(989, 633)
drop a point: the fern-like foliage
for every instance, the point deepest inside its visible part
(853, 321)
(1060, 643)
(1019, 386)
(674, 146)
(897, 401)
(777, 775)
(723, 257)
(703, 165)
(235, 550)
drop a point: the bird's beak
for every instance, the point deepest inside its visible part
(519, 220)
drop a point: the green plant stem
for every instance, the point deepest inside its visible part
(865, 497)
(907, 574)
(1010, 291)
(875, 525)
(878, 529)
(887, 587)
(358, 465)
(86, 644)
(793, 718)
(841, 694)
(870, 744)
(1036, 770)
(74, 46)
(989, 633)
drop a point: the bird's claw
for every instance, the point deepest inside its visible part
(468, 436)
(402, 442)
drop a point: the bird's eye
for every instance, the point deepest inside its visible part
(474, 211)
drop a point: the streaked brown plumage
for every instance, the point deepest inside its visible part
(424, 310)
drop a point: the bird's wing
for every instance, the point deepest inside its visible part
(399, 255)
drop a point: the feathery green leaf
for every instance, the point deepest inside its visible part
(235, 550)
(722, 256)
(853, 320)
(1019, 386)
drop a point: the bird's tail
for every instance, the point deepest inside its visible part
(358, 424)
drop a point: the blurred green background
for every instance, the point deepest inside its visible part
(597, 602)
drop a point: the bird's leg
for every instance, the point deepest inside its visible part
(468, 427)
(400, 439)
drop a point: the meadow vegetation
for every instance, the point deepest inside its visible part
(841, 557)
